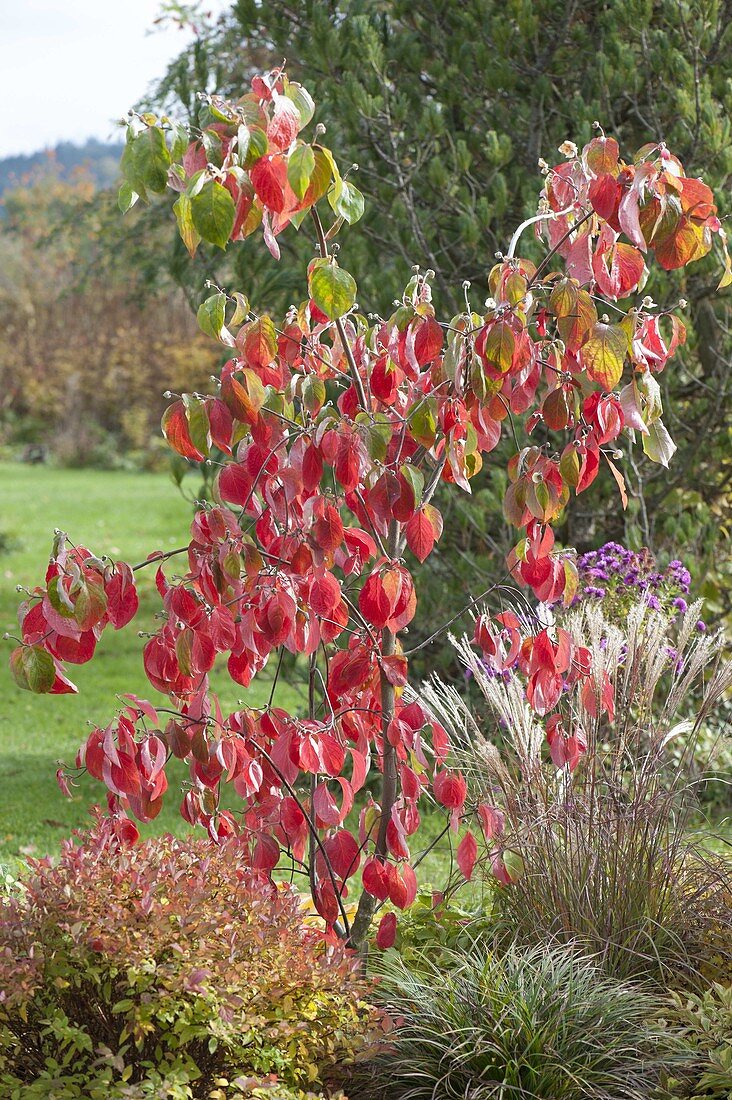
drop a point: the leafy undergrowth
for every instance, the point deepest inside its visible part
(168, 969)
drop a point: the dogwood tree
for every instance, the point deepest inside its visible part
(331, 429)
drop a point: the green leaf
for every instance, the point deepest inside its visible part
(377, 432)
(211, 314)
(59, 599)
(33, 668)
(242, 308)
(183, 215)
(213, 212)
(322, 174)
(300, 168)
(415, 480)
(211, 317)
(337, 179)
(180, 141)
(91, 603)
(211, 142)
(257, 146)
(332, 289)
(423, 421)
(243, 138)
(313, 393)
(349, 204)
(302, 100)
(126, 198)
(513, 863)
(198, 424)
(151, 159)
(129, 168)
(658, 444)
(500, 346)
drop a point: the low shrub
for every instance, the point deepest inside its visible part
(705, 1023)
(540, 1025)
(165, 969)
(434, 930)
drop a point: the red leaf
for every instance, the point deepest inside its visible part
(265, 177)
(427, 340)
(325, 594)
(386, 934)
(285, 123)
(122, 599)
(374, 602)
(395, 669)
(326, 901)
(420, 535)
(343, 853)
(450, 790)
(220, 424)
(492, 820)
(327, 531)
(402, 886)
(467, 854)
(376, 879)
(176, 431)
(266, 854)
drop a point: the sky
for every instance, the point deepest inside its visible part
(69, 68)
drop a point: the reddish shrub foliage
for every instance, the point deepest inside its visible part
(169, 961)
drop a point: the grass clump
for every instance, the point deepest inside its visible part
(542, 1024)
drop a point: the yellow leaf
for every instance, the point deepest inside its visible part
(604, 354)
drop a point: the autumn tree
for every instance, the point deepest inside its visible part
(331, 429)
(447, 108)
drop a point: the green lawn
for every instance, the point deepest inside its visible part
(123, 514)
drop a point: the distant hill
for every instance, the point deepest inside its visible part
(99, 158)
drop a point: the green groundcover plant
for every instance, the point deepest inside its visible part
(536, 1025)
(705, 1023)
(166, 969)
